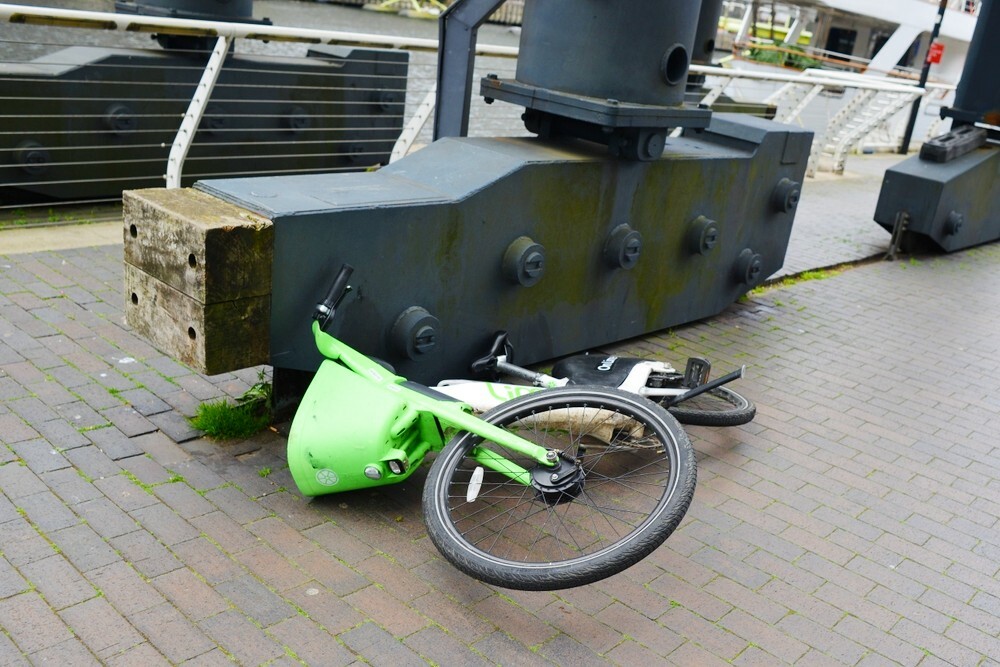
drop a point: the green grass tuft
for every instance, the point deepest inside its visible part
(225, 421)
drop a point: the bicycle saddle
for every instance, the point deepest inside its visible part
(599, 369)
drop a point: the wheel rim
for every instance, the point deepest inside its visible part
(626, 480)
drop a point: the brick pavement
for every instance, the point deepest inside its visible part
(853, 522)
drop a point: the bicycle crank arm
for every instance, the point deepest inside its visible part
(708, 386)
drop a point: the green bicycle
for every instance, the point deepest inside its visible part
(551, 490)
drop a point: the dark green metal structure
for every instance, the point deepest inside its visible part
(602, 228)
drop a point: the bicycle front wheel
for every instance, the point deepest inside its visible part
(624, 477)
(717, 407)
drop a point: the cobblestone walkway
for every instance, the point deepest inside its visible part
(854, 522)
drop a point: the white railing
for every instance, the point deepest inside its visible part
(791, 93)
(30, 144)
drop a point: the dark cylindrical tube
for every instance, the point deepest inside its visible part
(635, 51)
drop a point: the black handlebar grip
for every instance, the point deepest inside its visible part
(325, 308)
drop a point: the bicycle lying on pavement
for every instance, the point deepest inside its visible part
(690, 396)
(555, 489)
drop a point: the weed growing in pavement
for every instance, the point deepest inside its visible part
(227, 421)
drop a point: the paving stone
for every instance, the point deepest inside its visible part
(125, 589)
(11, 389)
(163, 522)
(503, 650)
(331, 573)
(40, 456)
(81, 415)
(149, 381)
(145, 469)
(254, 599)
(70, 377)
(23, 373)
(84, 548)
(171, 634)
(69, 652)
(197, 474)
(105, 517)
(236, 504)
(142, 654)
(47, 511)
(17, 480)
(32, 410)
(15, 426)
(175, 426)
(114, 444)
(59, 582)
(125, 493)
(225, 532)
(241, 638)
(269, 564)
(93, 463)
(182, 402)
(192, 596)
(145, 553)
(96, 396)
(11, 582)
(62, 434)
(209, 561)
(377, 646)
(144, 401)
(394, 616)
(21, 544)
(183, 500)
(31, 623)
(310, 643)
(128, 420)
(162, 448)
(325, 607)
(112, 380)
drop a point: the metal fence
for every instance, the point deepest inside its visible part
(89, 106)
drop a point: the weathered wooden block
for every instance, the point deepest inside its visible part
(198, 278)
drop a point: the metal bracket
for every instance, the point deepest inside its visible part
(457, 30)
(898, 229)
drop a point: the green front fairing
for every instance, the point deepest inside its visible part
(346, 424)
(356, 416)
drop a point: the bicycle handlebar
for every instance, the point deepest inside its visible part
(325, 308)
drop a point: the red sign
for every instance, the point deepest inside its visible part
(935, 52)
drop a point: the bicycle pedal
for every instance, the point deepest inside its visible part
(697, 371)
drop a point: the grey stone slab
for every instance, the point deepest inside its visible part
(47, 511)
(62, 435)
(81, 415)
(128, 420)
(84, 548)
(175, 426)
(113, 443)
(70, 485)
(40, 456)
(144, 401)
(32, 410)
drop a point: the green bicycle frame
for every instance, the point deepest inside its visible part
(358, 426)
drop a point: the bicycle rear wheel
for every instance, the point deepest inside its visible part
(717, 407)
(626, 476)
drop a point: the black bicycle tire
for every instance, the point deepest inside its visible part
(741, 410)
(626, 551)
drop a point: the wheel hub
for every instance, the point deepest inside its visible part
(560, 483)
